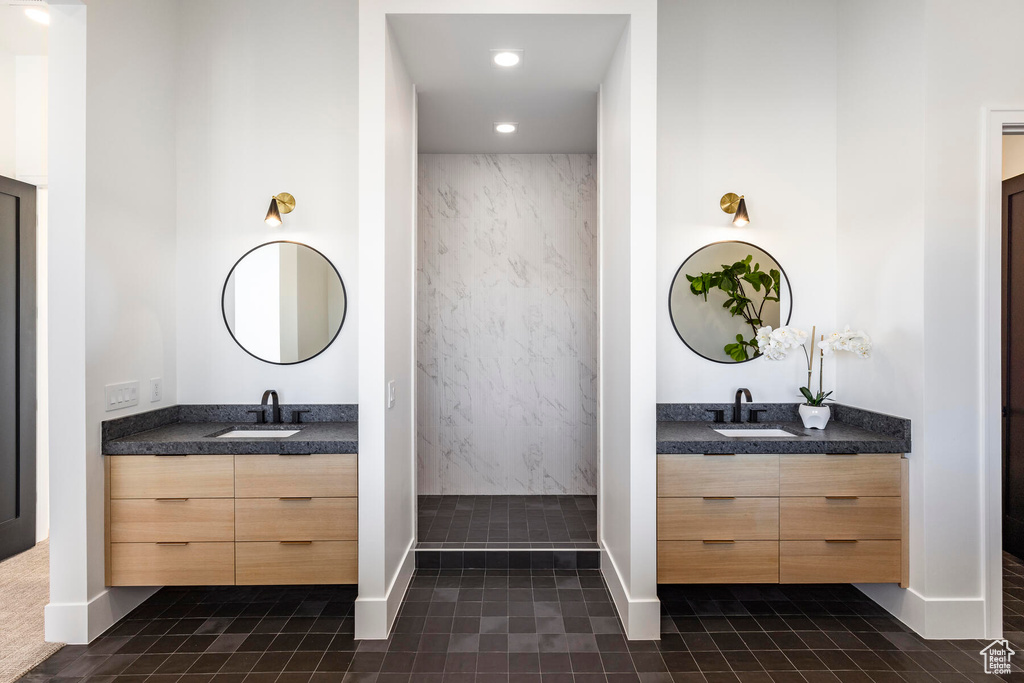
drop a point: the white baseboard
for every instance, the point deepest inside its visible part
(79, 623)
(641, 619)
(376, 616)
(932, 618)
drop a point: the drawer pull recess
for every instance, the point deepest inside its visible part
(717, 542)
(294, 455)
(719, 497)
(840, 540)
(172, 500)
(717, 455)
(295, 498)
(178, 543)
(841, 497)
(296, 542)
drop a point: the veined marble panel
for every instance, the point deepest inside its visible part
(507, 324)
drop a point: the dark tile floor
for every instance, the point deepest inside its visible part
(1013, 596)
(507, 522)
(521, 626)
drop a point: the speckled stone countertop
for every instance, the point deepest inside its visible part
(194, 430)
(684, 428)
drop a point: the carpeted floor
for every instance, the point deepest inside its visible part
(24, 592)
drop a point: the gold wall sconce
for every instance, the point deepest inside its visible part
(280, 203)
(735, 204)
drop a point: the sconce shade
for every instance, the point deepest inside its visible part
(741, 218)
(273, 218)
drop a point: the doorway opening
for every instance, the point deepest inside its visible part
(507, 292)
(1012, 375)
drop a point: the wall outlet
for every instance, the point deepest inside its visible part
(391, 394)
(123, 395)
(156, 389)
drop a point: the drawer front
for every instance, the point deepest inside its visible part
(318, 476)
(824, 562)
(302, 519)
(191, 564)
(699, 562)
(699, 519)
(184, 476)
(172, 519)
(840, 518)
(840, 475)
(289, 564)
(686, 476)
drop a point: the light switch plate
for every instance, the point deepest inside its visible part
(391, 394)
(156, 389)
(123, 395)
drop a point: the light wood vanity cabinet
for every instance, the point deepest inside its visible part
(783, 518)
(226, 520)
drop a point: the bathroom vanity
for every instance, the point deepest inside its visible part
(196, 496)
(816, 506)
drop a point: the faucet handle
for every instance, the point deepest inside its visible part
(754, 413)
(297, 416)
(261, 416)
(719, 414)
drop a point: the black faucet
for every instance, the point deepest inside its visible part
(272, 394)
(737, 414)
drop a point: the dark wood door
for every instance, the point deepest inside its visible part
(17, 367)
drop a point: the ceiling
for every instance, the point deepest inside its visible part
(19, 35)
(552, 94)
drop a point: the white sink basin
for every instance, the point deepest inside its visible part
(754, 432)
(258, 433)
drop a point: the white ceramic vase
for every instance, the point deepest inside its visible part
(814, 417)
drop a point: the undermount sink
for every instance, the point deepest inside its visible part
(764, 433)
(258, 434)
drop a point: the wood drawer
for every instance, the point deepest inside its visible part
(317, 476)
(840, 475)
(172, 519)
(840, 518)
(851, 562)
(688, 476)
(302, 519)
(288, 564)
(698, 519)
(183, 476)
(699, 562)
(190, 564)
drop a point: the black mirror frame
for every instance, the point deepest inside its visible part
(789, 288)
(224, 291)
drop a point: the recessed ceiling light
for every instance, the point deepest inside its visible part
(506, 58)
(38, 15)
(506, 128)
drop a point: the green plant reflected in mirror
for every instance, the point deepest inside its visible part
(722, 294)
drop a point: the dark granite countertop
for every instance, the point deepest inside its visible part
(194, 430)
(851, 430)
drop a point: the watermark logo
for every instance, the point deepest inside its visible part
(997, 657)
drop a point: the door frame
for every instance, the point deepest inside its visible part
(990, 302)
(23, 528)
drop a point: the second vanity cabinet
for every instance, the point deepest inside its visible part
(767, 518)
(231, 519)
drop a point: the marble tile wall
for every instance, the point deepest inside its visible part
(507, 324)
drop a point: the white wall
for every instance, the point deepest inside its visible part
(267, 104)
(627, 180)
(104, 215)
(746, 104)
(507, 320)
(614, 497)
(30, 118)
(387, 335)
(946, 61)
(1013, 156)
(8, 149)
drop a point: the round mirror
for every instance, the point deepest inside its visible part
(722, 294)
(284, 302)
